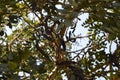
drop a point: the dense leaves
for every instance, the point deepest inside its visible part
(41, 43)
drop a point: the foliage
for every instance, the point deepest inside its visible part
(43, 32)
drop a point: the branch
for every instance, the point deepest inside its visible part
(79, 37)
(40, 50)
(9, 47)
(52, 72)
(81, 50)
(77, 72)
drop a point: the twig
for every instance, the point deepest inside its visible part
(82, 50)
(14, 40)
(79, 37)
(52, 72)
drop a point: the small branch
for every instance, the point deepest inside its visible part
(14, 40)
(74, 51)
(41, 50)
(51, 73)
(82, 50)
(79, 37)
(110, 47)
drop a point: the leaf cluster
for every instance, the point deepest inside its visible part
(43, 33)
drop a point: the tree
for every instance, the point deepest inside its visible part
(39, 46)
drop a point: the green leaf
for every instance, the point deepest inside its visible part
(111, 37)
(1, 33)
(12, 65)
(19, 5)
(4, 67)
(10, 25)
(116, 4)
(72, 77)
(13, 18)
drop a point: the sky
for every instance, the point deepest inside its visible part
(83, 42)
(79, 31)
